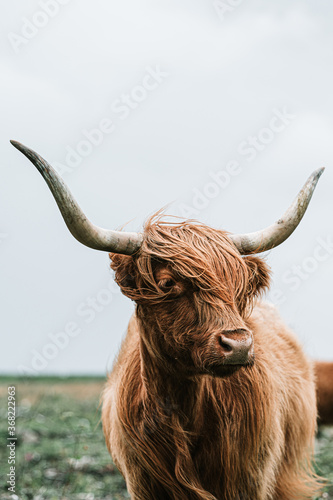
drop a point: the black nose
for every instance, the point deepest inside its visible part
(236, 346)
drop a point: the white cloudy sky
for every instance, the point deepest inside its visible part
(226, 77)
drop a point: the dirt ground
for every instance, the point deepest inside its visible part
(33, 390)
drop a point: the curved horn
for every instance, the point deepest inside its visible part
(78, 224)
(278, 232)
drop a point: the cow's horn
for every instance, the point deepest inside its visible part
(278, 232)
(78, 224)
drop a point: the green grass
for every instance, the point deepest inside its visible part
(61, 452)
(324, 459)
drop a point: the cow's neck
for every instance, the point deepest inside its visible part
(172, 391)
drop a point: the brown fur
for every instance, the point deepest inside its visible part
(178, 423)
(324, 383)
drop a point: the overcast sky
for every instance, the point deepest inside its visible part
(220, 111)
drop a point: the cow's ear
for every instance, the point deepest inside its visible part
(259, 276)
(125, 274)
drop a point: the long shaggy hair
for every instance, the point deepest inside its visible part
(177, 421)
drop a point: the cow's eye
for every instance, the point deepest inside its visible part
(166, 284)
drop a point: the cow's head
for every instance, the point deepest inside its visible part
(193, 291)
(192, 284)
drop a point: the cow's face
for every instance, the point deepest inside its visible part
(193, 290)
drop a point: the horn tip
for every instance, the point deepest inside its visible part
(18, 145)
(29, 153)
(318, 173)
(315, 176)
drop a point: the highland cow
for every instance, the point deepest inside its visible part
(211, 396)
(324, 385)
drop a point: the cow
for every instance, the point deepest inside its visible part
(211, 396)
(324, 386)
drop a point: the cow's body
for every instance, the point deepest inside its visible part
(324, 384)
(248, 434)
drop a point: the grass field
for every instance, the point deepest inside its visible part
(60, 451)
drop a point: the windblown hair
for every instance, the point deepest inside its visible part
(180, 424)
(202, 256)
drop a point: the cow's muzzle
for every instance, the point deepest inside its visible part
(236, 346)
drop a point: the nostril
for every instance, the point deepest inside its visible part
(225, 346)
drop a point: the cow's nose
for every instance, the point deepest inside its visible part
(236, 346)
